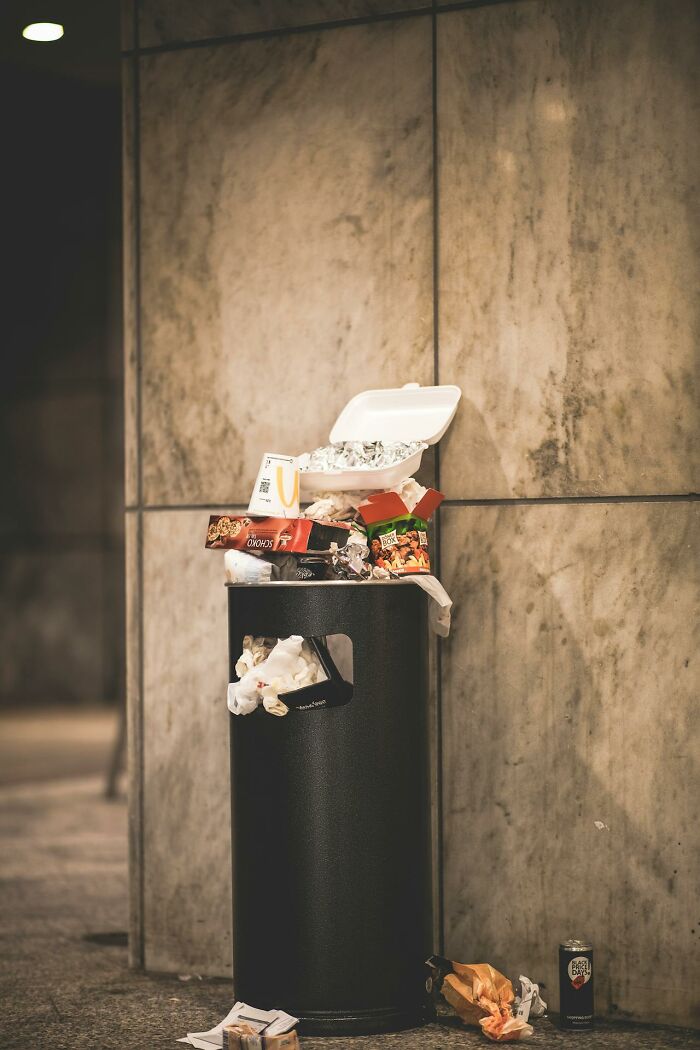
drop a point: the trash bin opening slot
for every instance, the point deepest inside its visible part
(292, 674)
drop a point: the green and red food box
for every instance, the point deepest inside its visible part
(398, 537)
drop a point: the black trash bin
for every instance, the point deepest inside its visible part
(331, 817)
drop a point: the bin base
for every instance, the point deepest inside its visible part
(364, 1022)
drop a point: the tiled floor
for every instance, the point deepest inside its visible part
(64, 979)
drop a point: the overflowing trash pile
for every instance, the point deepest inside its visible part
(480, 996)
(348, 511)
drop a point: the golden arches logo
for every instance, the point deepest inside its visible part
(280, 489)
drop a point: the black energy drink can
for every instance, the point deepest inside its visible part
(576, 984)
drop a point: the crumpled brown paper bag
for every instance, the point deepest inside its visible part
(482, 996)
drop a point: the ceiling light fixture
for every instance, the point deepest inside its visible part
(43, 31)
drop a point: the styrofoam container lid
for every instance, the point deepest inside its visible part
(407, 413)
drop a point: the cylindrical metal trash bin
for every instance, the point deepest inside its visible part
(331, 817)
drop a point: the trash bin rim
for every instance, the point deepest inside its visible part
(321, 583)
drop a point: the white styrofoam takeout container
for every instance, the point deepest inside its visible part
(408, 413)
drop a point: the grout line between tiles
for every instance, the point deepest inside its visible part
(515, 501)
(315, 27)
(439, 921)
(281, 31)
(242, 507)
(527, 501)
(467, 5)
(139, 954)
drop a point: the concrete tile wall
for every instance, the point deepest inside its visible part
(568, 233)
(187, 886)
(311, 244)
(568, 702)
(281, 200)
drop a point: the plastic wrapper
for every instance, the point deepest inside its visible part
(240, 567)
(300, 566)
(481, 995)
(359, 455)
(398, 537)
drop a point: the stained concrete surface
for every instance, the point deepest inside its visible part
(64, 977)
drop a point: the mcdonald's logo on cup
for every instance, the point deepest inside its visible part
(276, 489)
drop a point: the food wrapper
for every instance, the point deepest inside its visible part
(243, 1037)
(398, 538)
(351, 562)
(482, 996)
(264, 535)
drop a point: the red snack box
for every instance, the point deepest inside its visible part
(298, 535)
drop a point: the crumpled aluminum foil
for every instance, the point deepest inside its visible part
(359, 455)
(351, 562)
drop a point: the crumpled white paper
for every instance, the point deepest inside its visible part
(529, 1003)
(338, 506)
(291, 664)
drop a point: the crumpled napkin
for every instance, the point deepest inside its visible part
(255, 650)
(288, 665)
(337, 506)
(333, 506)
(481, 995)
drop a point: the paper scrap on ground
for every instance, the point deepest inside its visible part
(529, 1003)
(271, 1022)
